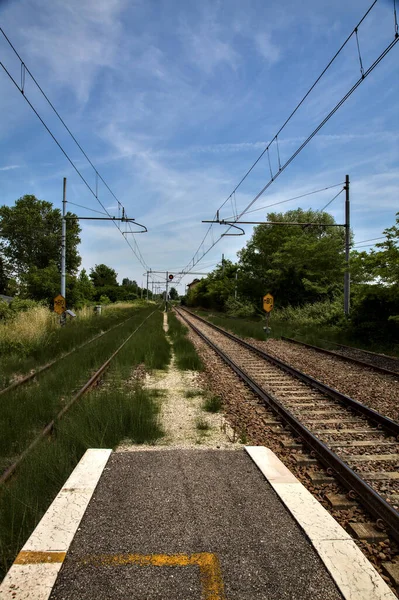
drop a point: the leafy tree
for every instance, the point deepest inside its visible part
(30, 235)
(42, 284)
(85, 285)
(129, 282)
(102, 276)
(173, 295)
(3, 276)
(298, 264)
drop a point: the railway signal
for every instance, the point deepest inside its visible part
(171, 277)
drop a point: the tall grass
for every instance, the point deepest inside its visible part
(117, 410)
(35, 337)
(26, 410)
(185, 353)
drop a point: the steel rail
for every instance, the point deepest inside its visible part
(40, 370)
(379, 354)
(50, 426)
(343, 357)
(377, 506)
(389, 424)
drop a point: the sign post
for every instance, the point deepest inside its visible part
(268, 303)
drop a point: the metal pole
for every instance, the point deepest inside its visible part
(63, 242)
(235, 289)
(152, 289)
(223, 264)
(347, 248)
(147, 285)
(166, 293)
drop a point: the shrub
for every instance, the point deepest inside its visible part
(104, 300)
(239, 308)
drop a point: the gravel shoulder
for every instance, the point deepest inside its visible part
(184, 422)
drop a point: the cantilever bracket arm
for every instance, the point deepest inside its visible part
(124, 219)
(144, 230)
(242, 232)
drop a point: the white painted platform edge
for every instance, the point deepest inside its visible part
(55, 531)
(351, 571)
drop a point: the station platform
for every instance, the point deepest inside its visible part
(189, 524)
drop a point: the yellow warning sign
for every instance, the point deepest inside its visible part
(59, 304)
(268, 302)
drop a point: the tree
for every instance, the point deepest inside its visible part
(3, 276)
(30, 235)
(102, 276)
(298, 264)
(173, 295)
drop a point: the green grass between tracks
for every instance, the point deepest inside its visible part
(116, 410)
(185, 354)
(22, 358)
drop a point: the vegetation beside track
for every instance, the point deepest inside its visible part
(117, 409)
(304, 324)
(185, 353)
(33, 337)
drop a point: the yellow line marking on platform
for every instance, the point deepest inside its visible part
(211, 575)
(34, 557)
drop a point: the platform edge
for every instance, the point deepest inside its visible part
(36, 567)
(332, 543)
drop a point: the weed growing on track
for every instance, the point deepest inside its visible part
(34, 337)
(202, 425)
(212, 404)
(185, 353)
(118, 409)
(193, 393)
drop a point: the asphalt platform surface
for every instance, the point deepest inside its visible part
(185, 525)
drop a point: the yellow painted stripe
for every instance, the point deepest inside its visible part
(208, 563)
(34, 557)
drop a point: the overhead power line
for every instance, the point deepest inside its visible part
(289, 200)
(202, 250)
(21, 88)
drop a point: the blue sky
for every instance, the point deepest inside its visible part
(173, 100)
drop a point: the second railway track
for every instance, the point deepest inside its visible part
(369, 360)
(357, 444)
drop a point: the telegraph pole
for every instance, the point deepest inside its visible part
(347, 249)
(63, 241)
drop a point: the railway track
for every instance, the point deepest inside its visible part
(356, 444)
(370, 360)
(27, 378)
(48, 429)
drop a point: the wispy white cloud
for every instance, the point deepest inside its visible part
(10, 167)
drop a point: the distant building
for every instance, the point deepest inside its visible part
(191, 286)
(7, 299)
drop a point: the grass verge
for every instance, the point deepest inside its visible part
(116, 410)
(185, 353)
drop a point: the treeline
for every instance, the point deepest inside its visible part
(30, 259)
(305, 265)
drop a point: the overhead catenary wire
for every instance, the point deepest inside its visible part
(192, 263)
(291, 199)
(21, 88)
